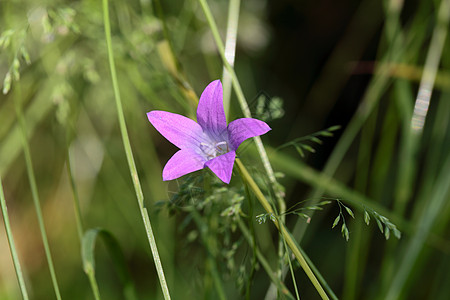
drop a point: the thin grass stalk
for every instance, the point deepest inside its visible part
(239, 93)
(93, 282)
(437, 201)
(246, 111)
(304, 173)
(353, 256)
(129, 155)
(371, 97)
(253, 246)
(284, 232)
(12, 246)
(377, 86)
(291, 270)
(230, 50)
(264, 263)
(75, 198)
(408, 162)
(210, 260)
(78, 219)
(421, 106)
(34, 192)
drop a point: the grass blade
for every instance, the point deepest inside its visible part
(12, 247)
(88, 255)
(230, 50)
(129, 155)
(35, 194)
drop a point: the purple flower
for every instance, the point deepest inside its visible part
(209, 142)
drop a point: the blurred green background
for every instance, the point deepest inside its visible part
(357, 64)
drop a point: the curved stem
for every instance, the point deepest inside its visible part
(284, 232)
(130, 158)
(12, 246)
(35, 194)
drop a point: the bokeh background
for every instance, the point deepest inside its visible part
(356, 64)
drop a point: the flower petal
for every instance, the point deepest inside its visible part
(179, 130)
(241, 129)
(210, 113)
(184, 161)
(222, 165)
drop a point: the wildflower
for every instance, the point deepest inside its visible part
(209, 142)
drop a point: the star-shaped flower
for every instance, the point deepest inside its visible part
(209, 142)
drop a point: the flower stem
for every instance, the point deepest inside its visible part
(284, 232)
(34, 193)
(76, 198)
(230, 50)
(239, 93)
(129, 155)
(12, 246)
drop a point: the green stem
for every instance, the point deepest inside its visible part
(210, 261)
(230, 50)
(284, 232)
(76, 199)
(240, 95)
(35, 194)
(291, 269)
(12, 247)
(264, 263)
(93, 282)
(129, 155)
(78, 219)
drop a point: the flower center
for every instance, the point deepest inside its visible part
(214, 149)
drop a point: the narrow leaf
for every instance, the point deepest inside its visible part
(316, 140)
(387, 232)
(117, 257)
(379, 225)
(397, 233)
(366, 217)
(7, 83)
(300, 151)
(334, 128)
(336, 221)
(308, 148)
(349, 211)
(346, 234)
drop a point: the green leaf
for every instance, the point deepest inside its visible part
(5, 38)
(397, 233)
(336, 221)
(25, 55)
(117, 257)
(349, 211)
(324, 202)
(300, 151)
(261, 218)
(334, 128)
(315, 207)
(316, 140)
(308, 148)
(387, 232)
(326, 133)
(7, 83)
(15, 68)
(304, 216)
(272, 217)
(379, 225)
(346, 234)
(344, 231)
(366, 217)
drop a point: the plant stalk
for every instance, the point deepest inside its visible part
(284, 232)
(130, 158)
